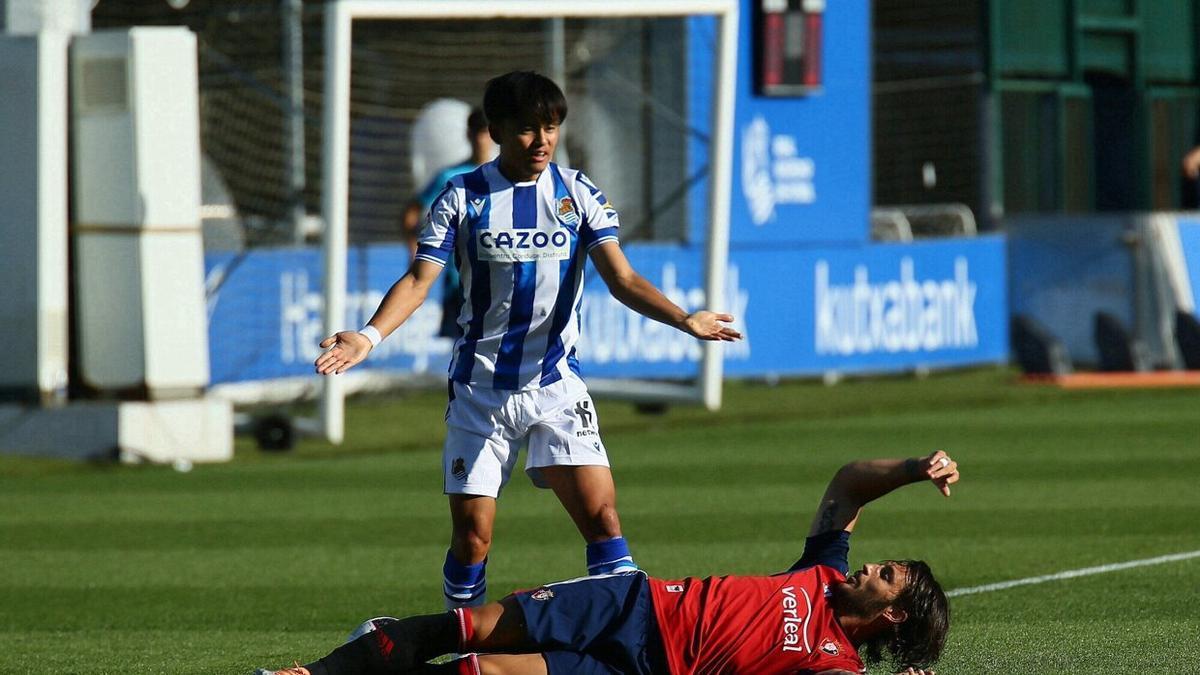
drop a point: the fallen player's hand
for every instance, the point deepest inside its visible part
(916, 671)
(346, 349)
(941, 470)
(708, 325)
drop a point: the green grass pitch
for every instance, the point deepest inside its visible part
(272, 558)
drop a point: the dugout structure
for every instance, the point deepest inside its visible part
(340, 19)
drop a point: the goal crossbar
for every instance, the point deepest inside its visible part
(339, 17)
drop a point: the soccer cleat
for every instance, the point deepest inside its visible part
(297, 670)
(369, 626)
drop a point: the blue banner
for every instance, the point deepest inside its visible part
(853, 309)
(265, 310)
(1189, 237)
(1063, 270)
(801, 164)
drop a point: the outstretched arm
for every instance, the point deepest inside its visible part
(858, 483)
(348, 348)
(633, 291)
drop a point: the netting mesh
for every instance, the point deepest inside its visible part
(626, 81)
(928, 77)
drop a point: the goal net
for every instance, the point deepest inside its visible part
(625, 67)
(321, 121)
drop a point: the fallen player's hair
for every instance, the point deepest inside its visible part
(916, 642)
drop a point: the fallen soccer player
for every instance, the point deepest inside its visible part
(813, 618)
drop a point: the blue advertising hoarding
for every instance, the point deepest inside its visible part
(801, 165)
(1189, 238)
(851, 309)
(810, 291)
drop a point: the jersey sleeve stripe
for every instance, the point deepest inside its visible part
(603, 240)
(435, 254)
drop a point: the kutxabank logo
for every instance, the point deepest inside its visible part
(908, 314)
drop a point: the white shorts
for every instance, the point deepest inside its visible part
(486, 428)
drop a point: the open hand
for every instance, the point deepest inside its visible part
(346, 349)
(707, 325)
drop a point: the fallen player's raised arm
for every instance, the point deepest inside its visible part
(860, 482)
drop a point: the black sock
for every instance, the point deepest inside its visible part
(392, 648)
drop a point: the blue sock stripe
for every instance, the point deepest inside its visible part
(612, 563)
(462, 575)
(450, 584)
(599, 551)
(465, 597)
(604, 557)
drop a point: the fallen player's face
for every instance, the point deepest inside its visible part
(526, 147)
(868, 591)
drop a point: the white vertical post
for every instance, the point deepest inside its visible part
(336, 129)
(556, 64)
(33, 220)
(720, 182)
(335, 202)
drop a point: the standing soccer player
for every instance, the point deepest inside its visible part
(522, 228)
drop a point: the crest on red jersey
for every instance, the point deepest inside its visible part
(830, 647)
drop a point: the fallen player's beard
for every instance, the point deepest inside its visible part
(847, 601)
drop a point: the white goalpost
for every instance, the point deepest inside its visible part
(340, 16)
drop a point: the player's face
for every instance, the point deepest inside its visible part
(526, 147)
(868, 591)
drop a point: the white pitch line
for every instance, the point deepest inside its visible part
(1071, 574)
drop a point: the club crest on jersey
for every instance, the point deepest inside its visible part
(566, 211)
(830, 647)
(542, 594)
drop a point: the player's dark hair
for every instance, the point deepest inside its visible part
(524, 95)
(476, 121)
(916, 642)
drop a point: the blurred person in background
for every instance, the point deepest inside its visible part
(482, 150)
(1190, 191)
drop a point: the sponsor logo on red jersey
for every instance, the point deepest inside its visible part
(794, 623)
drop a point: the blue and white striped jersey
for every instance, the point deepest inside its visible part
(521, 251)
